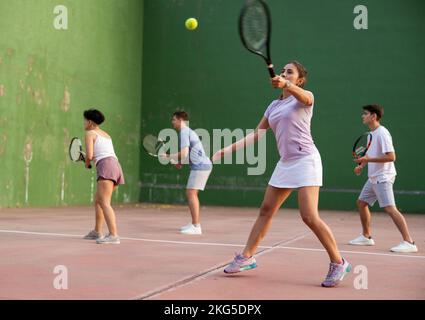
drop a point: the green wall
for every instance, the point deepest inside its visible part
(209, 74)
(48, 77)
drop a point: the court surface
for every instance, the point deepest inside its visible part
(154, 261)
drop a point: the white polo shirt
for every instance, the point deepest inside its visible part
(381, 144)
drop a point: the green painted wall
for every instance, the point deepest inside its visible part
(48, 77)
(208, 73)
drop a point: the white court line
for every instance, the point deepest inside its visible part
(218, 244)
(41, 233)
(356, 252)
(206, 273)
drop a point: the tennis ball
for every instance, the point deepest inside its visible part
(191, 23)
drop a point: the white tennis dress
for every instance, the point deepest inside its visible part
(300, 164)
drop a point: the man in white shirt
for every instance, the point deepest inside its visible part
(381, 173)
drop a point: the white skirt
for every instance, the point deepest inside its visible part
(302, 172)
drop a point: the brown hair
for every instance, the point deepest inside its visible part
(181, 115)
(302, 72)
(375, 109)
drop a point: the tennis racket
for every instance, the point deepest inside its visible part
(255, 29)
(361, 145)
(153, 145)
(76, 151)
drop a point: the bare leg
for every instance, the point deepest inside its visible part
(99, 217)
(365, 217)
(308, 201)
(193, 201)
(400, 222)
(104, 195)
(273, 199)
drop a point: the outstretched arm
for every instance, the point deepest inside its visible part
(251, 138)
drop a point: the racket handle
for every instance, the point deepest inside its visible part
(90, 166)
(271, 71)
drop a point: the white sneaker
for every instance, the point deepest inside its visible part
(186, 226)
(362, 241)
(406, 247)
(108, 240)
(192, 230)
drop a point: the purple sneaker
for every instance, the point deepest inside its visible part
(240, 263)
(336, 273)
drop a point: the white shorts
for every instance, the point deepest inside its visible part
(382, 191)
(302, 172)
(198, 179)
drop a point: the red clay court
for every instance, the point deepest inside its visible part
(154, 261)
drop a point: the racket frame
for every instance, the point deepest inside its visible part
(158, 141)
(82, 156)
(266, 58)
(369, 136)
(157, 147)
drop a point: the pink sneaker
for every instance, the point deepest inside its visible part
(336, 273)
(240, 263)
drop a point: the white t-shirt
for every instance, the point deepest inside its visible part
(381, 144)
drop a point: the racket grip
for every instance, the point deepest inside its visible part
(271, 71)
(90, 166)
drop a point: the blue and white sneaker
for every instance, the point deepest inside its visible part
(240, 263)
(336, 273)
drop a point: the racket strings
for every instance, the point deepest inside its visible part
(150, 143)
(255, 27)
(75, 150)
(360, 150)
(362, 145)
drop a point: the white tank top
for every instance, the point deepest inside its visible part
(103, 148)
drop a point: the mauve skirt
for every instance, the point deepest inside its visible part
(110, 169)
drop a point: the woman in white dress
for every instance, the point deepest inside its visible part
(300, 168)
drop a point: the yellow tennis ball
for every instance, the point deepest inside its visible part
(191, 23)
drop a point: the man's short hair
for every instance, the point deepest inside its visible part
(182, 115)
(376, 109)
